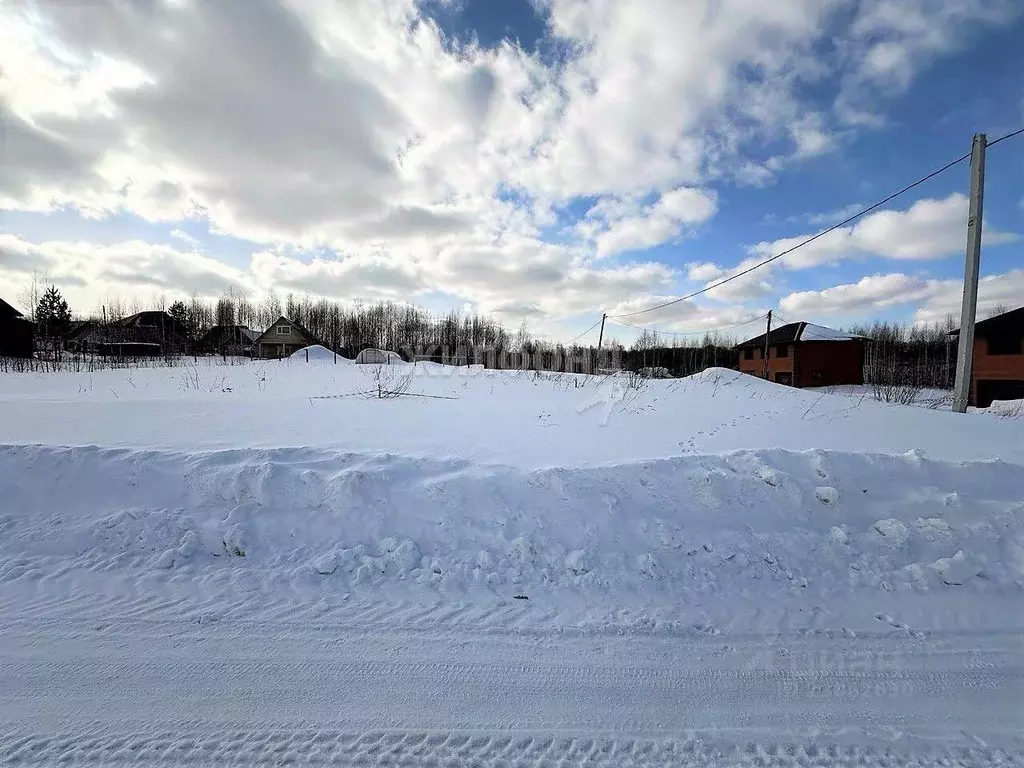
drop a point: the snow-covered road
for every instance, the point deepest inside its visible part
(153, 692)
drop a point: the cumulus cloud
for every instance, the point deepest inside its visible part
(362, 129)
(993, 291)
(512, 280)
(928, 229)
(87, 271)
(937, 298)
(868, 293)
(685, 317)
(618, 225)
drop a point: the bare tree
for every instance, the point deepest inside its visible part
(30, 295)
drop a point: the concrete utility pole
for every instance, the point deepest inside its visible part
(600, 336)
(965, 344)
(767, 333)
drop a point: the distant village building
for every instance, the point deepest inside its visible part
(997, 372)
(144, 334)
(77, 337)
(234, 340)
(16, 332)
(282, 339)
(805, 355)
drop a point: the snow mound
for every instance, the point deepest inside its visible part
(1007, 409)
(322, 525)
(827, 495)
(956, 570)
(317, 353)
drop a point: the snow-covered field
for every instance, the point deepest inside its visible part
(291, 562)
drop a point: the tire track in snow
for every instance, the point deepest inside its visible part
(273, 686)
(186, 744)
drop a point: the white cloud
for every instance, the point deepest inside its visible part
(826, 218)
(938, 298)
(185, 237)
(889, 41)
(86, 272)
(928, 229)
(361, 127)
(512, 280)
(617, 225)
(993, 291)
(685, 316)
(703, 271)
(869, 293)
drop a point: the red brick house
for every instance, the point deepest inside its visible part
(806, 355)
(997, 372)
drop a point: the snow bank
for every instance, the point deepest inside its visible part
(317, 353)
(681, 537)
(1007, 409)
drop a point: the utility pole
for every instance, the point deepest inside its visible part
(767, 333)
(965, 344)
(600, 336)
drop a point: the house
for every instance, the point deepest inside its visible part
(229, 340)
(16, 333)
(805, 355)
(76, 338)
(156, 327)
(997, 371)
(282, 339)
(144, 334)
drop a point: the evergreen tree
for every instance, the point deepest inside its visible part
(180, 313)
(52, 314)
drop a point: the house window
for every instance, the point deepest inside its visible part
(748, 354)
(1003, 345)
(283, 330)
(782, 350)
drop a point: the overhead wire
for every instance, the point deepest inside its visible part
(809, 240)
(1010, 135)
(690, 333)
(786, 252)
(580, 336)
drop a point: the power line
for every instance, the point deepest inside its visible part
(811, 239)
(1010, 135)
(690, 333)
(583, 334)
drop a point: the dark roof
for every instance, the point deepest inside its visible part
(781, 335)
(1011, 322)
(802, 331)
(78, 326)
(244, 330)
(6, 310)
(149, 313)
(312, 339)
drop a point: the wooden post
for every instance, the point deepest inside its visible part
(972, 262)
(767, 333)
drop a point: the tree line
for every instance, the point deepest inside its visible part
(919, 355)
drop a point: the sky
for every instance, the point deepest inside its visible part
(544, 161)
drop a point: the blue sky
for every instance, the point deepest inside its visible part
(541, 160)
